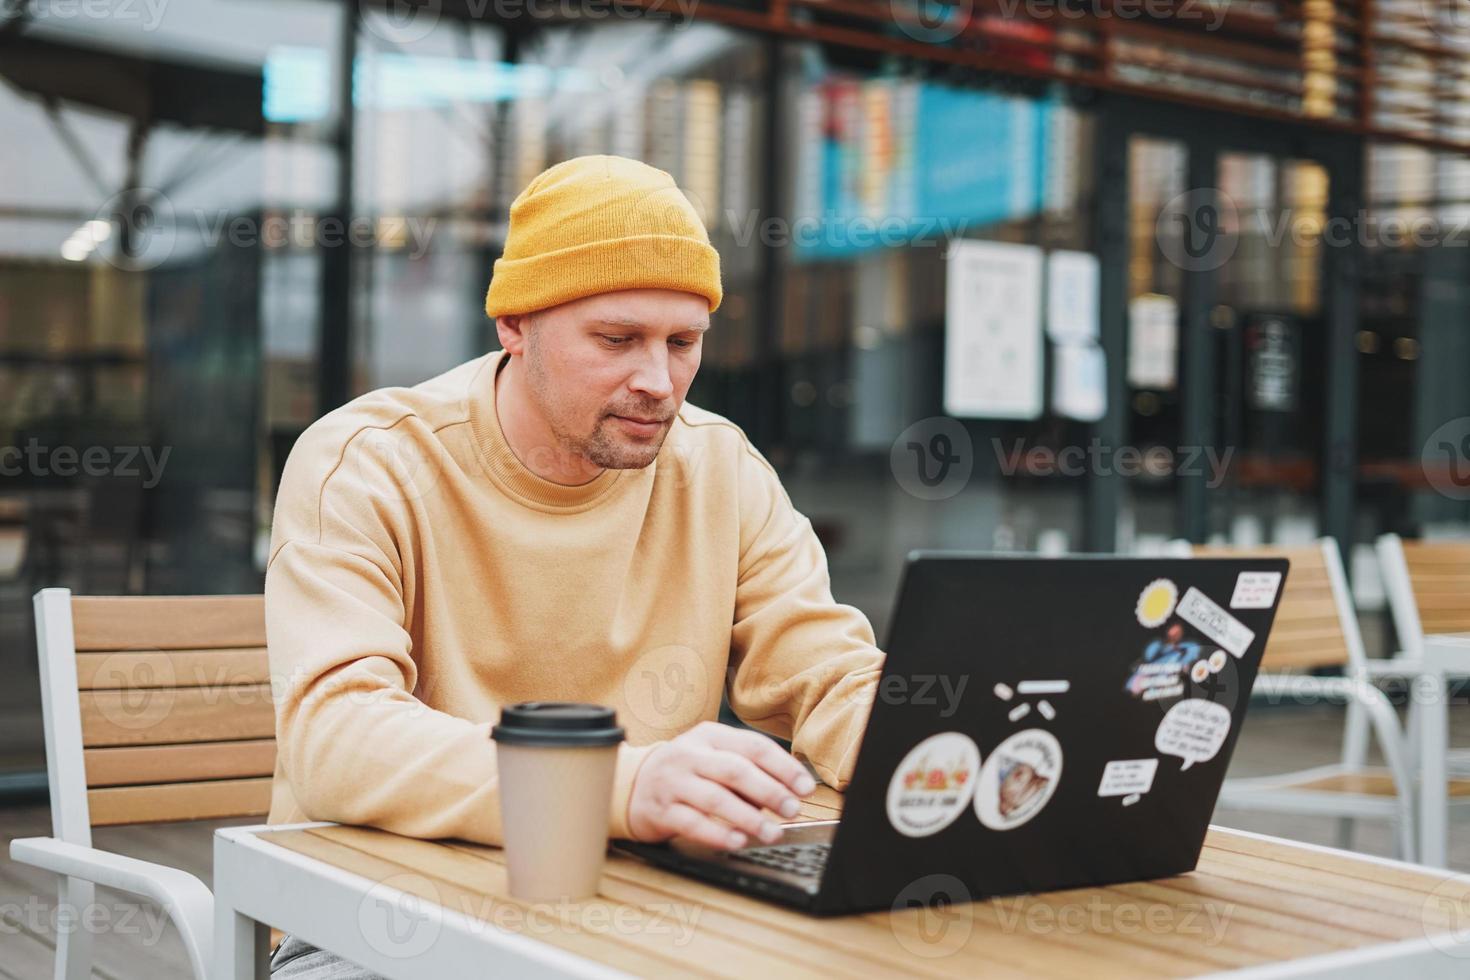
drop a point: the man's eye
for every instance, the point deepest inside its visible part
(681, 343)
(616, 341)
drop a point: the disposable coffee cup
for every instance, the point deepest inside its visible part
(556, 762)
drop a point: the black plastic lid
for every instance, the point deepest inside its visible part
(563, 724)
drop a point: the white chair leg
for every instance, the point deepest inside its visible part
(75, 897)
(1345, 828)
(1355, 735)
(1411, 731)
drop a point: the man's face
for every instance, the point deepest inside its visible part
(610, 372)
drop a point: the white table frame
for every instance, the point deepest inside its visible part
(258, 884)
(1445, 656)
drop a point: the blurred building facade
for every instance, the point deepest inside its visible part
(221, 222)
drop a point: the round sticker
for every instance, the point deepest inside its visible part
(1217, 661)
(1199, 671)
(1156, 602)
(1018, 779)
(933, 785)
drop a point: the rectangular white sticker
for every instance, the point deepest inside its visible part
(1124, 777)
(1255, 590)
(1205, 615)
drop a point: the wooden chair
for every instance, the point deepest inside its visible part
(1428, 586)
(156, 709)
(1316, 626)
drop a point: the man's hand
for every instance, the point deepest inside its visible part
(708, 785)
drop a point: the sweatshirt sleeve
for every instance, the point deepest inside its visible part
(355, 743)
(804, 667)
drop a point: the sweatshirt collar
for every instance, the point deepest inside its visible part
(506, 468)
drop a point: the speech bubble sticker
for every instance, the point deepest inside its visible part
(1156, 603)
(933, 784)
(1193, 730)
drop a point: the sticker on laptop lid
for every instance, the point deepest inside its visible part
(1128, 777)
(933, 784)
(1159, 673)
(1156, 603)
(1018, 779)
(1193, 730)
(1256, 590)
(1205, 615)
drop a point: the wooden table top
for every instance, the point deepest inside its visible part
(1250, 902)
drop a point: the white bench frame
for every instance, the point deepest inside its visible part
(69, 853)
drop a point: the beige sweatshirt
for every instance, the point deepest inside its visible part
(421, 577)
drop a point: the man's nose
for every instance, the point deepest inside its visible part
(652, 377)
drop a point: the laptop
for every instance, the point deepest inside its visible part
(1041, 724)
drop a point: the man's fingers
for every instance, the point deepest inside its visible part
(686, 822)
(714, 800)
(736, 772)
(768, 755)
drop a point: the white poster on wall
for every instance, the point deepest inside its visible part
(993, 356)
(1071, 297)
(1153, 341)
(1079, 382)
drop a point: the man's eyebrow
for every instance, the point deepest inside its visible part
(700, 327)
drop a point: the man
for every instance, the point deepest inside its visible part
(553, 522)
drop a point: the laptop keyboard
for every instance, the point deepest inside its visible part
(806, 860)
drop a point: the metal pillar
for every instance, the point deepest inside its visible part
(334, 354)
(1110, 209)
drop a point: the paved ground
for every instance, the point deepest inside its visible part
(138, 944)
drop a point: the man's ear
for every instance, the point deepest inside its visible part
(511, 329)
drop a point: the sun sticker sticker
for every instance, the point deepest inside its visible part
(933, 785)
(1018, 779)
(1156, 603)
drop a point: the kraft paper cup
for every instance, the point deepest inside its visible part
(556, 762)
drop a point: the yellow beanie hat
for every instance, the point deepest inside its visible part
(598, 224)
